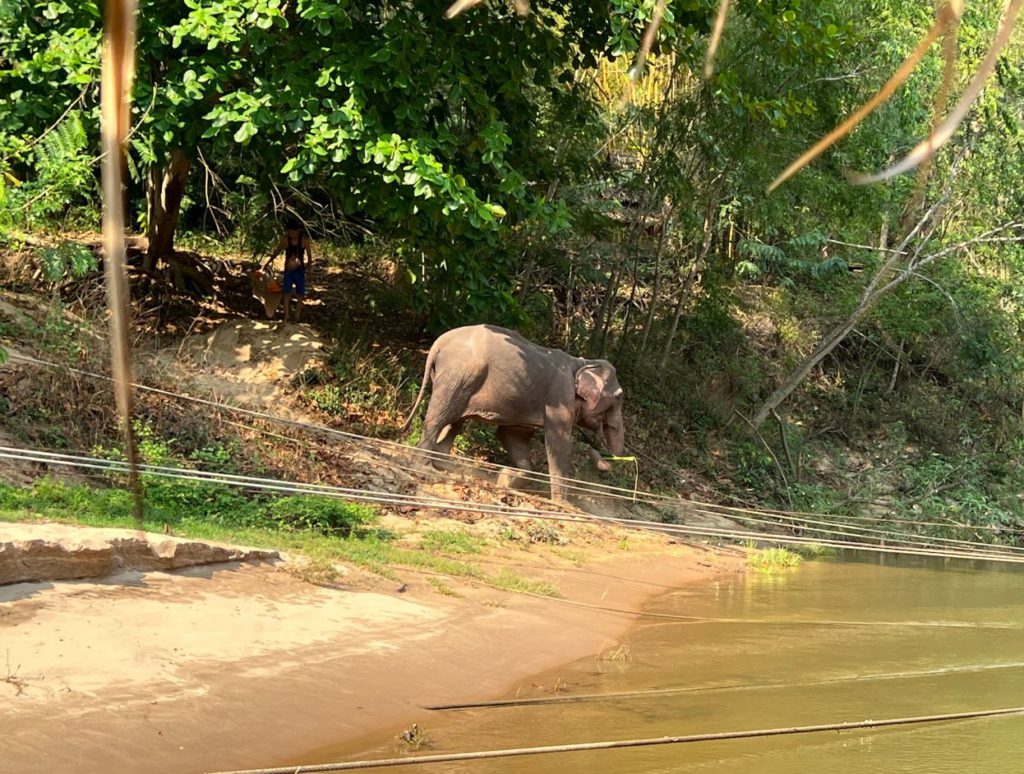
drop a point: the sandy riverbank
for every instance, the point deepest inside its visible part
(235, 666)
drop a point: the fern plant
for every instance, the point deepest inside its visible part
(64, 170)
(68, 260)
(799, 257)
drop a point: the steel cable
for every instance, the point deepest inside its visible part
(289, 487)
(578, 485)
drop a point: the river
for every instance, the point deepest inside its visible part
(830, 641)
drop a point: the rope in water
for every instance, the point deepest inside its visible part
(291, 487)
(654, 692)
(750, 515)
(631, 743)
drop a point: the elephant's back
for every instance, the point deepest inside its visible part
(480, 341)
(491, 340)
(508, 379)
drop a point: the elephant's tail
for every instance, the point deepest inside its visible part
(427, 374)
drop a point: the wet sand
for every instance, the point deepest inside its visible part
(242, 666)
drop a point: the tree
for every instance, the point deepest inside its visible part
(962, 217)
(441, 132)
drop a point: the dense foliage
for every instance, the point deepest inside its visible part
(500, 159)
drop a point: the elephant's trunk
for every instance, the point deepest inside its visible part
(599, 462)
(615, 432)
(613, 438)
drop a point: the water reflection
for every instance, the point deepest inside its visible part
(834, 641)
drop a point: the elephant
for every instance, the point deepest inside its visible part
(497, 376)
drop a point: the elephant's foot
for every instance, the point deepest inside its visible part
(443, 462)
(517, 478)
(509, 478)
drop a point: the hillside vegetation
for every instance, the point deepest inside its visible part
(830, 347)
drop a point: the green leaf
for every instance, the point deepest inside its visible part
(245, 132)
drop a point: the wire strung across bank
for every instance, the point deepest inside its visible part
(803, 515)
(631, 743)
(763, 516)
(579, 486)
(590, 489)
(286, 487)
(253, 483)
(853, 530)
(426, 502)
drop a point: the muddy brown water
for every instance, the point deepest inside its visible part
(831, 641)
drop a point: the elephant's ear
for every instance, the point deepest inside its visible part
(589, 386)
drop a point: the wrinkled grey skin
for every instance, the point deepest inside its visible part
(496, 376)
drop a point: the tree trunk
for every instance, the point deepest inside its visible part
(666, 224)
(164, 193)
(600, 334)
(826, 345)
(684, 293)
(531, 250)
(626, 332)
(710, 223)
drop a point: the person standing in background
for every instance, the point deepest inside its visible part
(298, 257)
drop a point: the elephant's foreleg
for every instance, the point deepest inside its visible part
(558, 425)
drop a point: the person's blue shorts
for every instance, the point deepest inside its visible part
(295, 282)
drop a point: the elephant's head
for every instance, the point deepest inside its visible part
(599, 407)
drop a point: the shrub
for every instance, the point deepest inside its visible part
(771, 560)
(321, 514)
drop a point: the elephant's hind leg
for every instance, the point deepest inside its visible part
(447, 436)
(516, 441)
(439, 438)
(442, 424)
(453, 388)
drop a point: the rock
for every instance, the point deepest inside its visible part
(45, 552)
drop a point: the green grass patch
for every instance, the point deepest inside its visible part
(772, 560)
(577, 558)
(319, 571)
(512, 581)
(814, 551)
(445, 541)
(532, 532)
(188, 506)
(322, 532)
(443, 588)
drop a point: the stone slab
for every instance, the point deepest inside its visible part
(46, 552)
